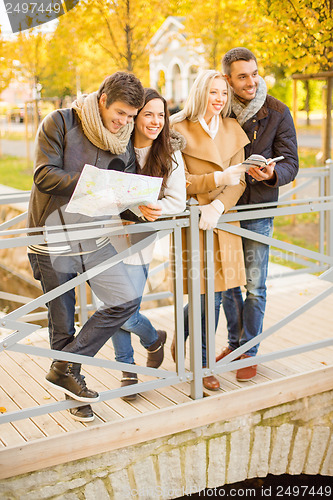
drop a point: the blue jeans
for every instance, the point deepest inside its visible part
(137, 323)
(113, 287)
(245, 317)
(218, 301)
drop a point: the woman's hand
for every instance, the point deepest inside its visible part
(209, 216)
(151, 211)
(229, 177)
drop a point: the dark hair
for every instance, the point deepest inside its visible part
(159, 161)
(124, 87)
(236, 54)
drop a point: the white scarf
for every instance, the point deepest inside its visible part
(87, 109)
(213, 126)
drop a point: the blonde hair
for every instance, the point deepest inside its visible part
(196, 103)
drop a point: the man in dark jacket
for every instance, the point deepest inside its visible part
(96, 130)
(270, 128)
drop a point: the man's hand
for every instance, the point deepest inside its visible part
(265, 174)
(151, 211)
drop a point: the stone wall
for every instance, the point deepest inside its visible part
(292, 438)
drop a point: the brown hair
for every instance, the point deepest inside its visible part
(236, 54)
(124, 87)
(159, 161)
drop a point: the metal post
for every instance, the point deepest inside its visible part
(322, 215)
(178, 301)
(329, 215)
(27, 133)
(194, 300)
(209, 301)
(82, 302)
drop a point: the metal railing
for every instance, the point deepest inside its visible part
(16, 321)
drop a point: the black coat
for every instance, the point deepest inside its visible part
(271, 133)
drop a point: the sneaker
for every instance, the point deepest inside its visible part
(247, 373)
(68, 380)
(156, 351)
(129, 378)
(81, 413)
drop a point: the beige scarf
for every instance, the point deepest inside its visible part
(87, 109)
(243, 111)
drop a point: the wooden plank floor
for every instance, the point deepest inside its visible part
(22, 377)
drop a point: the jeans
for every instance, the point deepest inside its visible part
(245, 317)
(218, 301)
(113, 287)
(137, 323)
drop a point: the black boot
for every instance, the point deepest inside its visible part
(81, 413)
(129, 378)
(66, 377)
(156, 351)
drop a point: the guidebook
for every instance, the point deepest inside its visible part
(259, 161)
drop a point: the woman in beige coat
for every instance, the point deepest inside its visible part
(215, 178)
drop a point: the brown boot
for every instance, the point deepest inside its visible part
(173, 348)
(129, 378)
(225, 351)
(156, 351)
(247, 373)
(211, 383)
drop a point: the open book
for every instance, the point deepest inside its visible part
(259, 161)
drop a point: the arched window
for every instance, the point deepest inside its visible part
(192, 74)
(176, 84)
(161, 82)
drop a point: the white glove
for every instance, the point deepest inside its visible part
(210, 215)
(230, 177)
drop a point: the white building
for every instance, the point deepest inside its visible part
(174, 62)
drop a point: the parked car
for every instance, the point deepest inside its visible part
(17, 114)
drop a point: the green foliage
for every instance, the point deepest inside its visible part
(283, 90)
(15, 172)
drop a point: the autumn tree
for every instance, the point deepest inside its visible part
(29, 51)
(301, 33)
(123, 29)
(74, 64)
(6, 69)
(219, 25)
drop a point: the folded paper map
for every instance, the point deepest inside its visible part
(109, 192)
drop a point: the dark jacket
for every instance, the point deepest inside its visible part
(272, 133)
(61, 151)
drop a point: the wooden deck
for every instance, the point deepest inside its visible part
(22, 386)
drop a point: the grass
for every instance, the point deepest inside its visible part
(15, 172)
(16, 136)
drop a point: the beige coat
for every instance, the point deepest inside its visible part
(203, 156)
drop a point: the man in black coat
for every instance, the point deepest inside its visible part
(270, 129)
